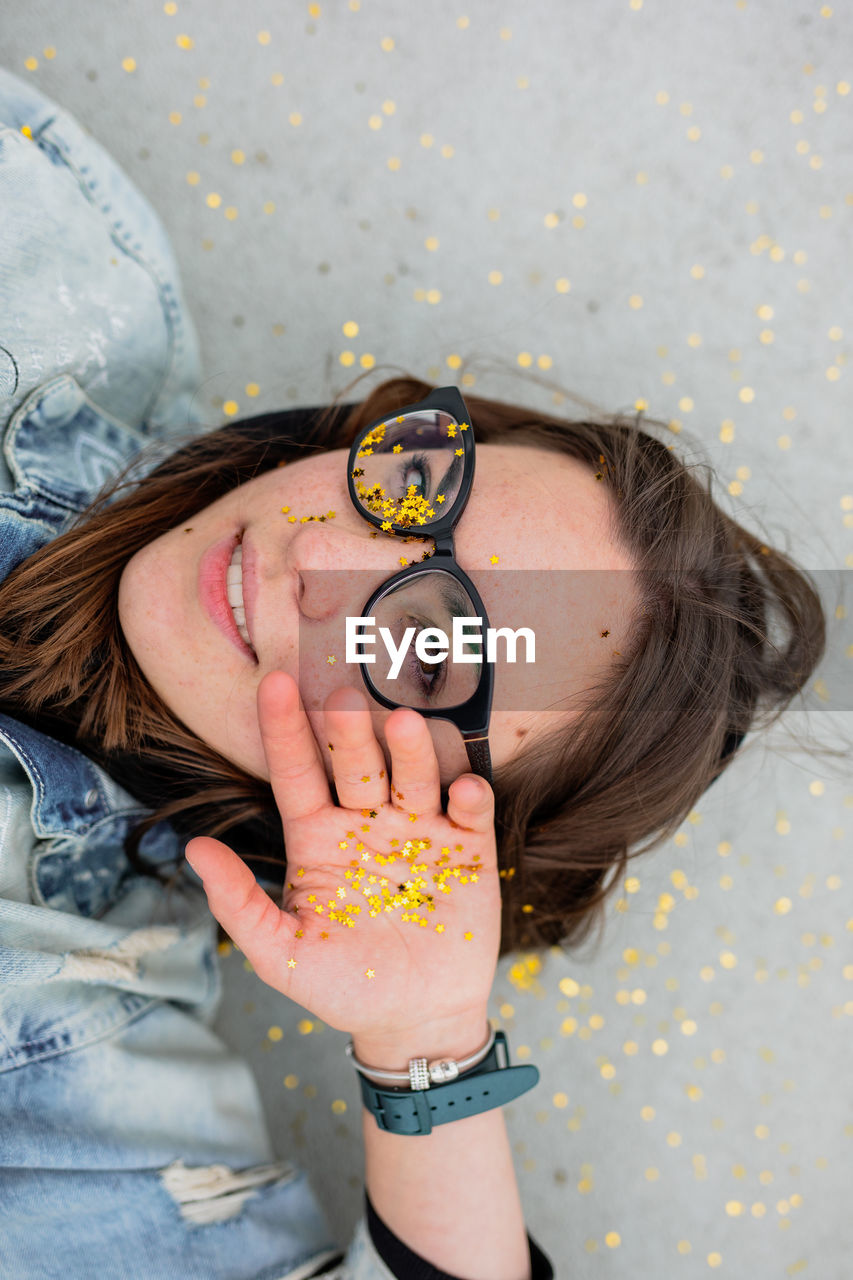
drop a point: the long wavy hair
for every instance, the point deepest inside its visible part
(573, 806)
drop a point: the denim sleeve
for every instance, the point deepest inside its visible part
(89, 284)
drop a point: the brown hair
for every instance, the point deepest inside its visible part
(571, 806)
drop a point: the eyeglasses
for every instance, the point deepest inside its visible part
(410, 476)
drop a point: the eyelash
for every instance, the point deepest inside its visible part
(418, 463)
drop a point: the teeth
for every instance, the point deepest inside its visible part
(234, 592)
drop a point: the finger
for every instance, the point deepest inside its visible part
(297, 776)
(415, 775)
(471, 803)
(247, 914)
(358, 761)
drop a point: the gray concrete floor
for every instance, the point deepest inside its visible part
(646, 205)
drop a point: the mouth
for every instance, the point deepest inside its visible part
(213, 587)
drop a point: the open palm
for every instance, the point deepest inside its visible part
(390, 916)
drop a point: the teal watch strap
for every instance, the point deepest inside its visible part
(492, 1083)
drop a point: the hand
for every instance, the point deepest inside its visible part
(346, 957)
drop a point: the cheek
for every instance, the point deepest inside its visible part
(146, 605)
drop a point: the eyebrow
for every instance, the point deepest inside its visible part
(450, 475)
(455, 599)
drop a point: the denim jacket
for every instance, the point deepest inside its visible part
(132, 1140)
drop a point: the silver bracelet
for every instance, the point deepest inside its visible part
(421, 1073)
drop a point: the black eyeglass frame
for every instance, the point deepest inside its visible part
(472, 717)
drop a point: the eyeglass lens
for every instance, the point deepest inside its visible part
(408, 473)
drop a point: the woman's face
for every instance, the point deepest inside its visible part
(532, 509)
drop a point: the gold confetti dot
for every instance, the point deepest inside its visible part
(31, 64)
(562, 285)
(264, 37)
(213, 200)
(129, 64)
(339, 1106)
(295, 118)
(495, 277)
(386, 44)
(305, 1026)
(347, 358)
(230, 407)
(275, 1033)
(193, 178)
(170, 8)
(184, 42)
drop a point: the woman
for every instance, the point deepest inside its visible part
(140, 721)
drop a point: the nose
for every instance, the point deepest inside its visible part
(341, 565)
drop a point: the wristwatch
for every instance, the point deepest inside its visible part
(438, 1093)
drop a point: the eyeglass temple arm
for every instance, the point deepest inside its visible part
(479, 757)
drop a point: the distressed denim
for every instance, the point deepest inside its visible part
(132, 1139)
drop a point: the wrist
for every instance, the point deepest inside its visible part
(453, 1037)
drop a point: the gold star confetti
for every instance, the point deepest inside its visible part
(300, 933)
(291, 964)
(468, 937)
(366, 778)
(331, 660)
(285, 510)
(301, 871)
(493, 559)
(329, 745)
(439, 928)
(370, 973)
(459, 452)
(342, 844)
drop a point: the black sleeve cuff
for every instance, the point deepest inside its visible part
(408, 1265)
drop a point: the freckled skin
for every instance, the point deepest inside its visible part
(531, 508)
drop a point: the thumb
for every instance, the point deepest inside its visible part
(471, 803)
(247, 914)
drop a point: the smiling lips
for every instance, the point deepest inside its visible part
(213, 590)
